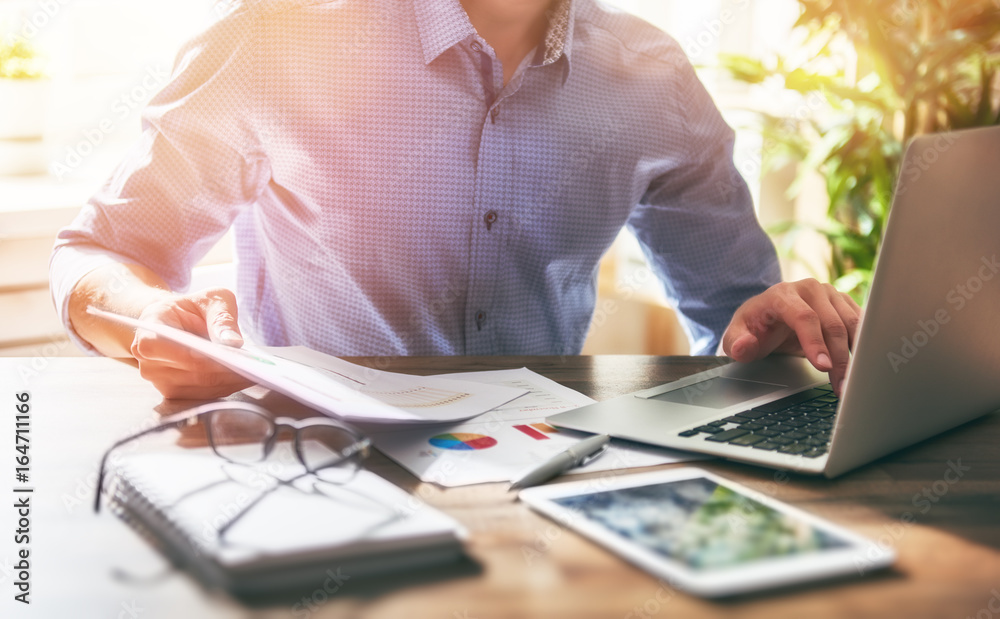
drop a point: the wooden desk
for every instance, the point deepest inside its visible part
(949, 564)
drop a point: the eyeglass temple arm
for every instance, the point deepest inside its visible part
(170, 422)
(358, 447)
(347, 453)
(246, 508)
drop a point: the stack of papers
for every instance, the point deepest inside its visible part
(452, 430)
(506, 442)
(497, 445)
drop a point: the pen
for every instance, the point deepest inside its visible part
(587, 449)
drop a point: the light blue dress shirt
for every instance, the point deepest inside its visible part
(392, 196)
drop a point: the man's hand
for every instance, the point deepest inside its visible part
(803, 318)
(134, 290)
(176, 371)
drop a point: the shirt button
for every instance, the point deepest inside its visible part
(494, 113)
(476, 47)
(480, 319)
(490, 218)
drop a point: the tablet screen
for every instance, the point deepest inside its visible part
(701, 524)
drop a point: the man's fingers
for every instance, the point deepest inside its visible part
(838, 341)
(183, 384)
(745, 348)
(805, 317)
(161, 351)
(755, 331)
(849, 313)
(850, 316)
(179, 387)
(824, 325)
(221, 317)
(150, 347)
(736, 333)
(178, 372)
(805, 322)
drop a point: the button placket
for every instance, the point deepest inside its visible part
(492, 183)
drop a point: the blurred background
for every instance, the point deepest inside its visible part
(823, 95)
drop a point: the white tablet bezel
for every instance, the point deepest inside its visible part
(862, 556)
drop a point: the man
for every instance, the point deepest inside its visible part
(428, 177)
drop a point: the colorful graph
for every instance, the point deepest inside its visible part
(537, 431)
(462, 441)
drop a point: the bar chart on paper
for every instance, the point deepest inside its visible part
(539, 431)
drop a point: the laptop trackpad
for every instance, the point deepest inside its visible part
(719, 392)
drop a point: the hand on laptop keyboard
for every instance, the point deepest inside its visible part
(801, 318)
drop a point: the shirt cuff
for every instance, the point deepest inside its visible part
(67, 266)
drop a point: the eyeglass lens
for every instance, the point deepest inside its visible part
(322, 448)
(246, 436)
(239, 435)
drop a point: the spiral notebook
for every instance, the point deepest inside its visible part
(299, 535)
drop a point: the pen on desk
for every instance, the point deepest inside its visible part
(587, 449)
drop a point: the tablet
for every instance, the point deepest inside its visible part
(705, 534)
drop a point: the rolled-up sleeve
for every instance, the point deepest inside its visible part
(198, 161)
(696, 222)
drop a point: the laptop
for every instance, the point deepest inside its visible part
(926, 357)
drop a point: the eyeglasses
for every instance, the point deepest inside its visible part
(244, 433)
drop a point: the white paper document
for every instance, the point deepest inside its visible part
(505, 442)
(341, 389)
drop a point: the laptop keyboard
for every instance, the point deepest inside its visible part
(799, 424)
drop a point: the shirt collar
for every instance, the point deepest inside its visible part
(443, 24)
(560, 34)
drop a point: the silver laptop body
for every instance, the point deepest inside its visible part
(927, 355)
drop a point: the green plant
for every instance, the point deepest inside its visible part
(19, 59)
(874, 74)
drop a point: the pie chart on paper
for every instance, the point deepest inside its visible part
(462, 441)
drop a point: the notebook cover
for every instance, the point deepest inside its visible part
(292, 536)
